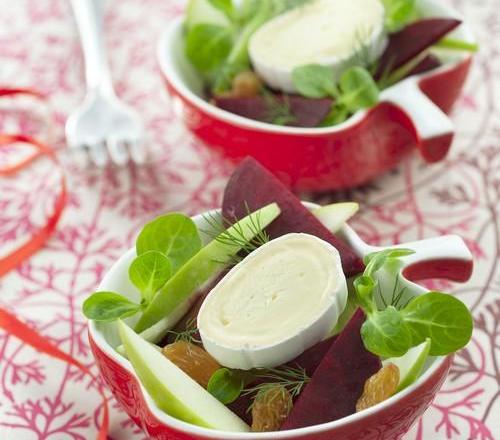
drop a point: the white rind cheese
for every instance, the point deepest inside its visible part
(280, 300)
(335, 33)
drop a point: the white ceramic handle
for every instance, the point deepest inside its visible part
(446, 257)
(433, 128)
(450, 247)
(89, 17)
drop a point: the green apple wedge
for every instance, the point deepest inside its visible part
(203, 12)
(334, 216)
(410, 364)
(174, 391)
(349, 310)
(158, 331)
(206, 264)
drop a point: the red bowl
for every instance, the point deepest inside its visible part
(445, 257)
(410, 114)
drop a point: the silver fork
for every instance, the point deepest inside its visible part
(102, 125)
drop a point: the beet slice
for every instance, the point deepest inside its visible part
(338, 381)
(302, 112)
(309, 361)
(252, 186)
(312, 357)
(413, 40)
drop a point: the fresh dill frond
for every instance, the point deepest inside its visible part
(293, 379)
(231, 233)
(364, 55)
(278, 112)
(189, 334)
(395, 75)
(397, 296)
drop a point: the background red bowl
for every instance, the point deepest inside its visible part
(411, 114)
(446, 257)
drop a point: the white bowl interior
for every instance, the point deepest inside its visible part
(188, 82)
(105, 335)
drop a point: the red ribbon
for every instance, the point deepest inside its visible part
(8, 321)
(38, 239)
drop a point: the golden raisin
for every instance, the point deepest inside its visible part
(246, 85)
(379, 387)
(270, 408)
(193, 360)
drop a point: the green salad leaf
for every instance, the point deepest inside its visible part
(399, 13)
(226, 385)
(175, 235)
(109, 306)
(208, 45)
(356, 89)
(149, 272)
(443, 318)
(386, 333)
(439, 317)
(314, 81)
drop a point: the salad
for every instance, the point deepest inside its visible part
(311, 63)
(275, 323)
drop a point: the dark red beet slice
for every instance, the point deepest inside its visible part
(312, 357)
(338, 381)
(413, 40)
(252, 186)
(309, 361)
(302, 112)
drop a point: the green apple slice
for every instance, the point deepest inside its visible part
(174, 391)
(411, 364)
(335, 215)
(206, 264)
(158, 331)
(202, 12)
(349, 310)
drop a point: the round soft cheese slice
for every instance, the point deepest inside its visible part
(333, 33)
(280, 300)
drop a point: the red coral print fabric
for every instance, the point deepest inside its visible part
(43, 398)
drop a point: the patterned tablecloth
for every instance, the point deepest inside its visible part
(42, 398)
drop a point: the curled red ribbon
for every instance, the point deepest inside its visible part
(8, 321)
(38, 239)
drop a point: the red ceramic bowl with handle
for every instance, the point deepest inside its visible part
(443, 257)
(411, 114)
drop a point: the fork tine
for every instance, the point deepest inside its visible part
(137, 151)
(98, 154)
(117, 151)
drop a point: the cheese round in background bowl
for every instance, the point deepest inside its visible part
(333, 33)
(280, 300)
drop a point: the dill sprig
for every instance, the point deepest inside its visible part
(396, 296)
(278, 112)
(189, 334)
(292, 379)
(232, 233)
(364, 55)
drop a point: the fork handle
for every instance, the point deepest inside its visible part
(89, 18)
